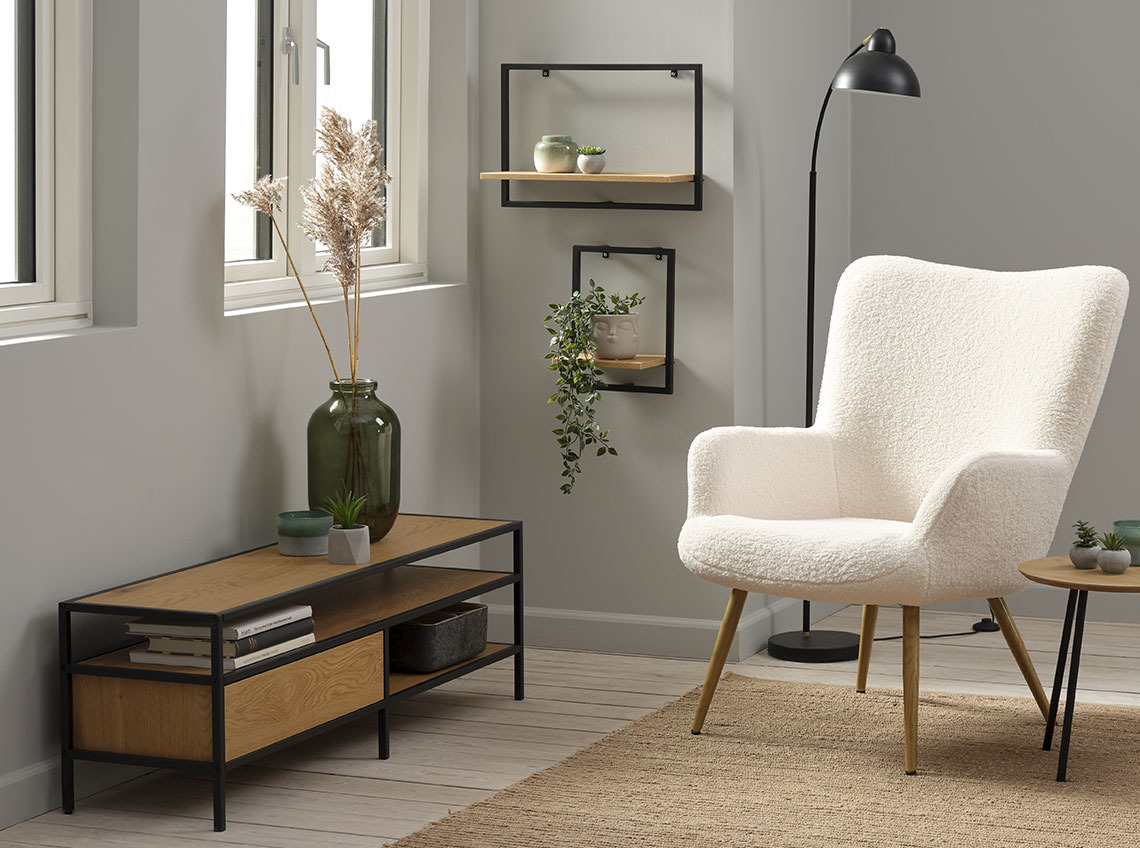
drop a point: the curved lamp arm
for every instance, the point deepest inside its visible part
(826, 98)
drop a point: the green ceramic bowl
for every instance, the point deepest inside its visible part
(304, 523)
(303, 532)
(1130, 530)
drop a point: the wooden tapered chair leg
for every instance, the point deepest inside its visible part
(866, 640)
(910, 687)
(720, 653)
(1017, 647)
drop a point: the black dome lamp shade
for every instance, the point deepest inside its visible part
(879, 69)
(872, 66)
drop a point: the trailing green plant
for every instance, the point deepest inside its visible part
(1086, 535)
(1112, 542)
(591, 150)
(344, 508)
(578, 380)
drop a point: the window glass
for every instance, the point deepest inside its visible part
(356, 32)
(17, 142)
(249, 121)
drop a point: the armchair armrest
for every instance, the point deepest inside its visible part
(997, 500)
(763, 472)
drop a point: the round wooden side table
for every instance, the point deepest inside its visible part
(1059, 571)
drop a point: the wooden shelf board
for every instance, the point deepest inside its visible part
(398, 681)
(604, 177)
(250, 577)
(638, 363)
(358, 604)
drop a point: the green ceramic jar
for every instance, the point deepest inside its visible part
(1130, 531)
(354, 445)
(555, 154)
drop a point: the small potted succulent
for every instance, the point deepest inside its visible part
(577, 339)
(348, 541)
(1114, 558)
(591, 159)
(1083, 553)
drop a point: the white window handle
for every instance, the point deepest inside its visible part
(321, 45)
(289, 48)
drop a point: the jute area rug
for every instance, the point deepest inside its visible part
(784, 764)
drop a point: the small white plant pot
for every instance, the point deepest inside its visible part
(1114, 562)
(592, 163)
(349, 547)
(615, 336)
(1084, 557)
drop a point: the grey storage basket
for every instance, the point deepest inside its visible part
(439, 639)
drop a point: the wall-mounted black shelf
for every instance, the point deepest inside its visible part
(642, 361)
(506, 175)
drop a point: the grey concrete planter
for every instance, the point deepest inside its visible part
(1114, 562)
(349, 547)
(1083, 557)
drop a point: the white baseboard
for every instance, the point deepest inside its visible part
(34, 789)
(1048, 602)
(654, 635)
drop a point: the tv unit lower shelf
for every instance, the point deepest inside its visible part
(210, 720)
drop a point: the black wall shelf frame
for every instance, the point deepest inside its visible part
(673, 69)
(669, 255)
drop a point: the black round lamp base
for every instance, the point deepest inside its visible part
(818, 646)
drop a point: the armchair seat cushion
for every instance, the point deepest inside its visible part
(850, 560)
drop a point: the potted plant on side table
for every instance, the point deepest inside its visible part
(348, 541)
(1083, 553)
(574, 343)
(1114, 558)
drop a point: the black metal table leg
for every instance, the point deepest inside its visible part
(518, 599)
(66, 761)
(218, 722)
(382, 731)
(1071, 696)
(1059, 677)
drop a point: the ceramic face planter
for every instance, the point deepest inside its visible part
(615, 336)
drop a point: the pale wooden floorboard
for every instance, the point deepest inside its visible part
(457, 745)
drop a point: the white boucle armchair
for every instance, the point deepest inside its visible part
(953, 409)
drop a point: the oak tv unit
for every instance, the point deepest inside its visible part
(211, 720)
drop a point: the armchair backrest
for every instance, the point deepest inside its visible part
(928, 362)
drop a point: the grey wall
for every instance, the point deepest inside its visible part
(139, 449)
(606, 574)
(1013, 161)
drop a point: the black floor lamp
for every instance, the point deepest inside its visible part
(877, 70)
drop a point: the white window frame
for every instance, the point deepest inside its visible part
(60, 299)
(255, 285)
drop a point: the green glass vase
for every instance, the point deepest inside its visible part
(354, 446)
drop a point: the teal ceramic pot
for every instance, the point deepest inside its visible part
(354, 446)
(555, 154)
(1130, 530)
(303, 532)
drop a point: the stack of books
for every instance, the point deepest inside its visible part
(245, 641)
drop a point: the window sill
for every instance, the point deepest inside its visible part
(36, 321)
(282, 293)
